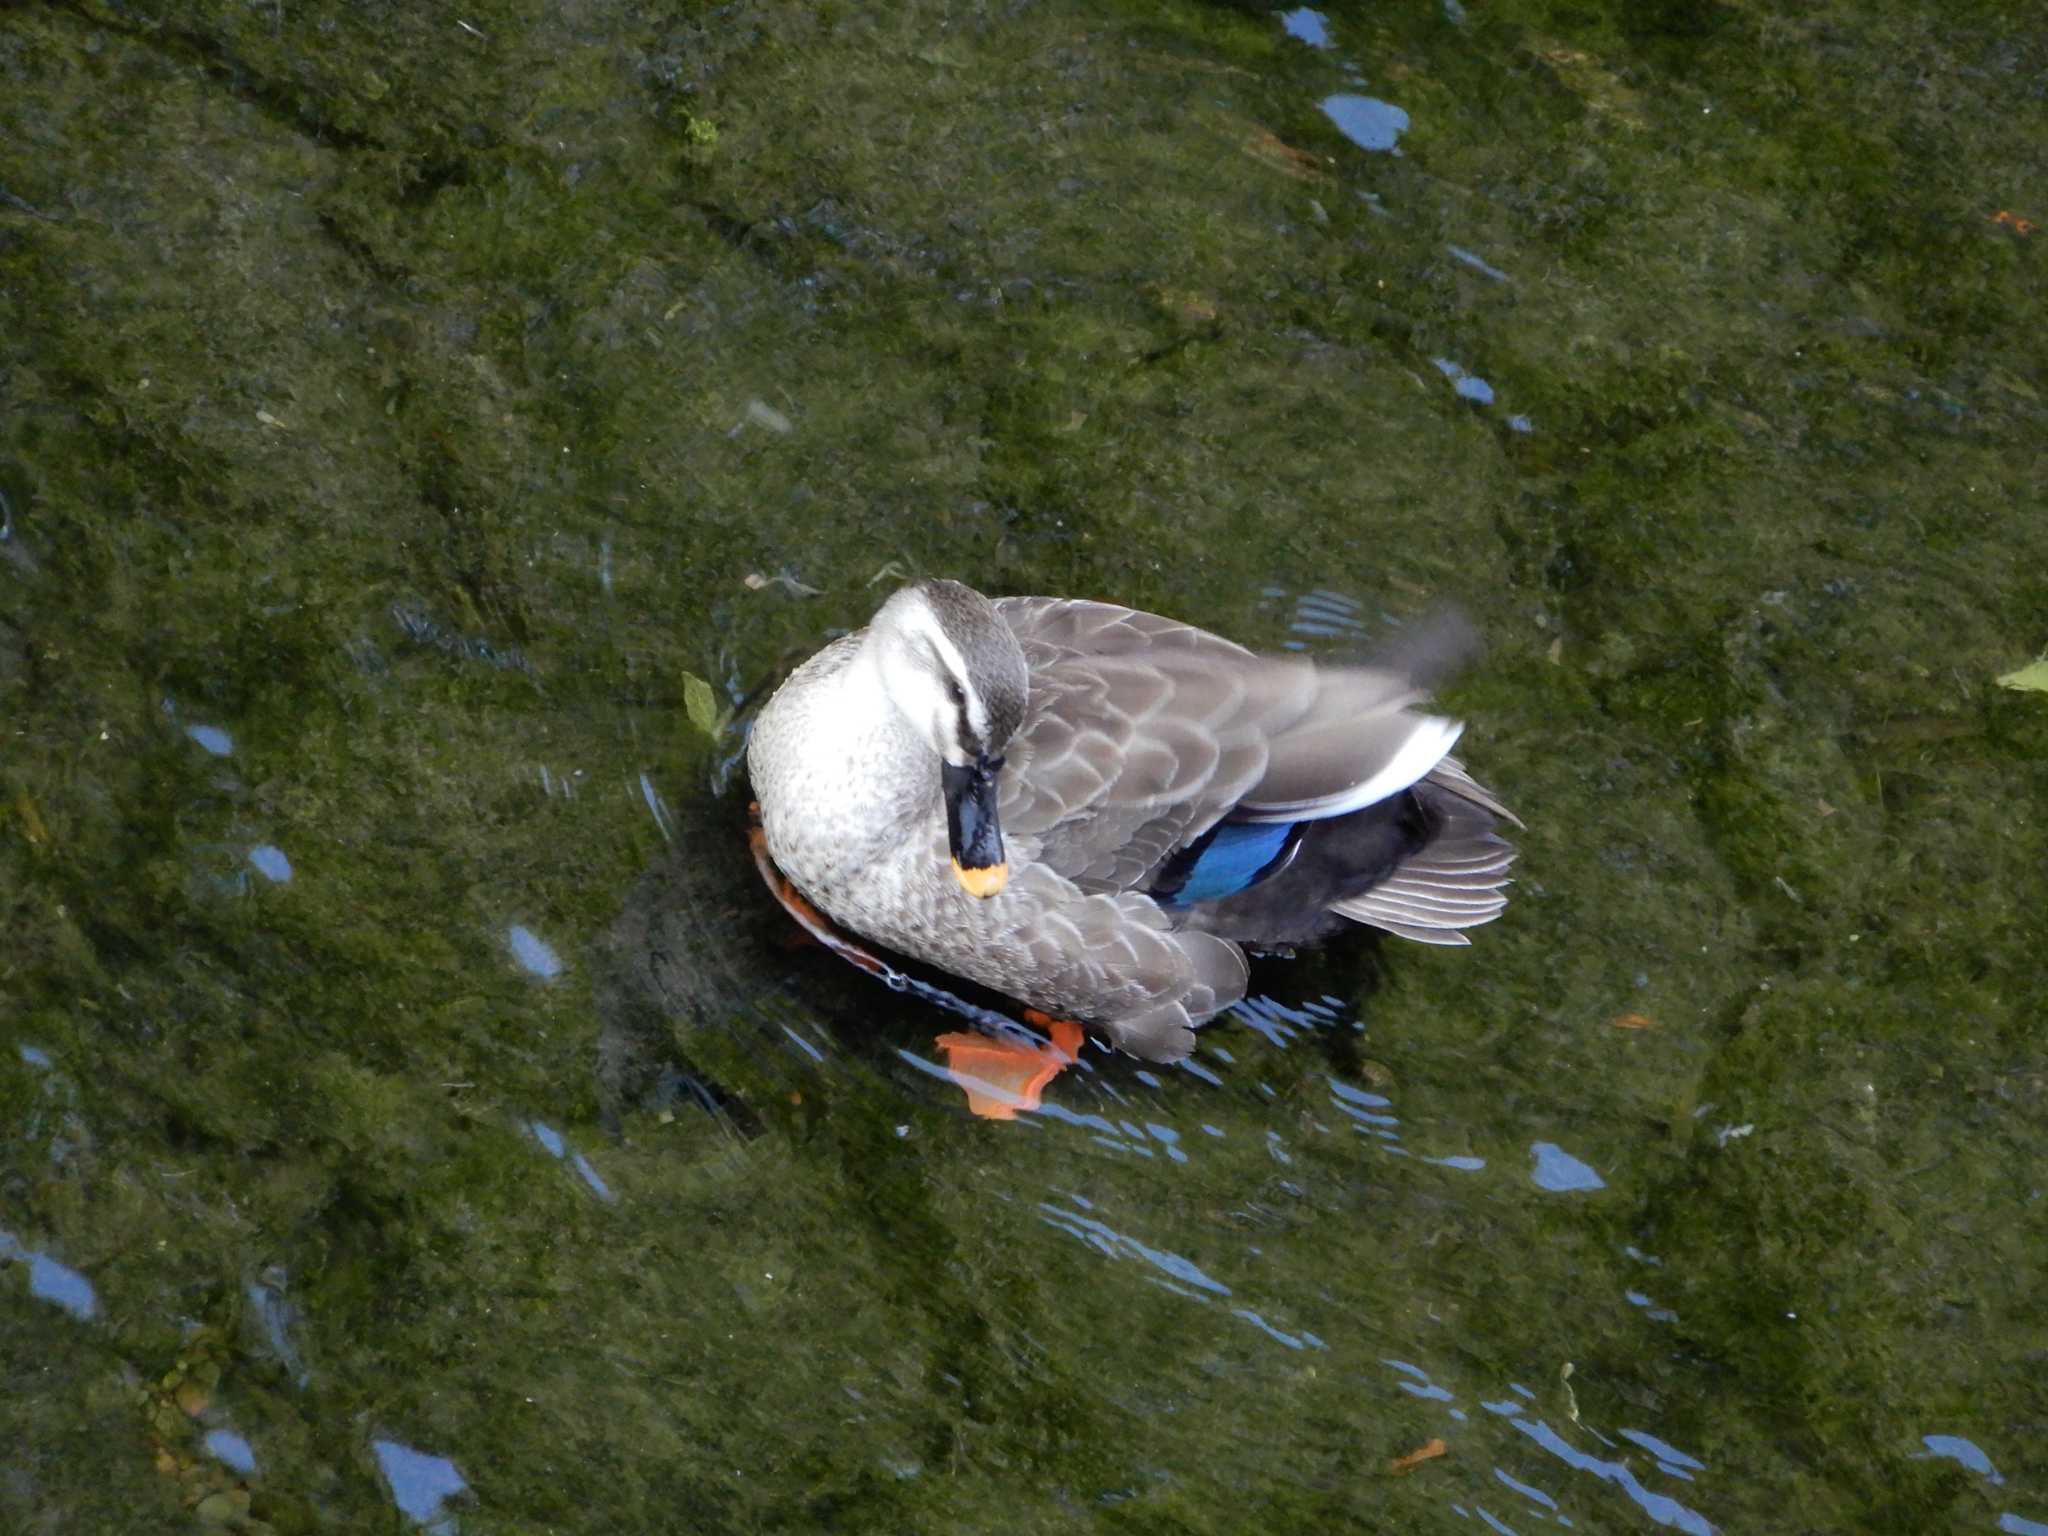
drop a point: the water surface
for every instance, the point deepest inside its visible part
(426, 437)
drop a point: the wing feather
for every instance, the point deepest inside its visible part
(1140, 734)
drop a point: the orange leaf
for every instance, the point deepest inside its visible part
(1269, 149)
(1418, 1456)
(1634, 1021)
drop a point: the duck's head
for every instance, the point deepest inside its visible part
(952, 668)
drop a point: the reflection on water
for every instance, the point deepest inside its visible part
(213, 739)
(1307, 26)
(271, 863)
(1651, 1310)
(1477, 263)
(1317, 618)
(1280, 1024)
(1962, 1452)
(1376, 125)
(1115, 1245)
(52, 1281)
(1303, 1340)
(1528, 1491)
(420, 1483)
(535, 955)
(1421, 1386)
(1557, 1170)
(277, 1321)
(1669, 1458)
(231, 1450)
(1660, 1507)
(553, 1143)
(1467, 386)
(1183, 1276)
(1367, 121)
(664, 818)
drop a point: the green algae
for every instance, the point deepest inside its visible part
(348, 352)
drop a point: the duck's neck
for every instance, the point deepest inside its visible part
(871, 780)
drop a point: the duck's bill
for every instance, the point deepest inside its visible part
(972, 830)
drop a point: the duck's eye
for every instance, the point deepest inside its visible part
(956, 693)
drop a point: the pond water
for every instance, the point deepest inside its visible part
(425, 439)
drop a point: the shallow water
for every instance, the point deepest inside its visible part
(423, 439)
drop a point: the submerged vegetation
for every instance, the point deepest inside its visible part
(421, 437)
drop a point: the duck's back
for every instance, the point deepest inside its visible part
(1261, 798)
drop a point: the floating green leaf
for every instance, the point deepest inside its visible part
(700, 704)
(2034, 677)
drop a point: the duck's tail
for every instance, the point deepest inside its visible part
(1456, 879)
(1425, 863)
(1358, 812)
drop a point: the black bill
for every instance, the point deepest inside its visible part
(971, 826)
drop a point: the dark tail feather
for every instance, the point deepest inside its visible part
(1457, 881)
(1425, 864)
(1327, 862)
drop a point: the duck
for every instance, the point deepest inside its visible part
(1102, 813)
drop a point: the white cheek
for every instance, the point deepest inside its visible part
(932, 710)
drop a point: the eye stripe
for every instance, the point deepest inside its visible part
(943, 668)
(950, 666)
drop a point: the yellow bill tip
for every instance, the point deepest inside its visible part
(982, 882)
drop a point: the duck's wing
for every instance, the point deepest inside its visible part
(1114, 959)
(1142, 733)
